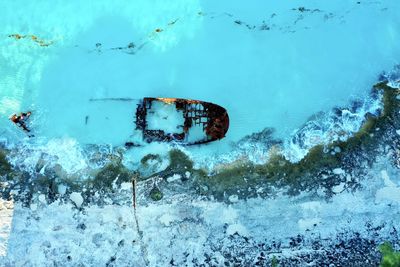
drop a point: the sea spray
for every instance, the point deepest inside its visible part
(327, 127)
(65, 152)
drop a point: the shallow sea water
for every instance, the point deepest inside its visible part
(271, 65)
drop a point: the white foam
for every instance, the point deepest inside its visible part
(328, 128)
(65, 152)
(6, 215)
(393, 77)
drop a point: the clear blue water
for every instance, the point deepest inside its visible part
(270, 64)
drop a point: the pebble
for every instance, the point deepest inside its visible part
(233, 198)
(62, 189)
(173, 178)
(338, 171)
(76, 198)
(42, 198)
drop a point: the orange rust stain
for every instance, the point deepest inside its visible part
(34, 38)
(167, 100)
(16, 36)
(174, 100)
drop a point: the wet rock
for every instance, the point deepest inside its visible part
(121, 243)
(62, 189)
(81, 226)
(156, 194)
(338, 171)
(173, 178)
(111, 175)
(5, 166)
(42, 199)
(337, 150)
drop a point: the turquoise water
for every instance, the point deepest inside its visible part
(270, 64)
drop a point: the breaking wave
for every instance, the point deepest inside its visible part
(326, 127)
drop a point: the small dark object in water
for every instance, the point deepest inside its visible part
(131, 144)
(20, 121)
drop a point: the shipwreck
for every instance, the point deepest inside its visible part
(183, 121)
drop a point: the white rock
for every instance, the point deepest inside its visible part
(338, 171)
(338, 188)
(187, 174)
(42, 198)
(76, 198)
(126, 186)
(62, 189)
(174, 178)
(237, 228)
(233, 198)
(33, 207)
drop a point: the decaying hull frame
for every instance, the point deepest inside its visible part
(212, 119)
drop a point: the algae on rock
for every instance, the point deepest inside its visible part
(244, 177)
(5, 166)
(105, 178)
(156, 194)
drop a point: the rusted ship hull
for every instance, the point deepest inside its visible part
(184, 121)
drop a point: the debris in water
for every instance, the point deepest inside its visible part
(20, 121)
(34, 38)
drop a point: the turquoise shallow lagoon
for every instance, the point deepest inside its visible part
(270, 64)
(303, 69)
